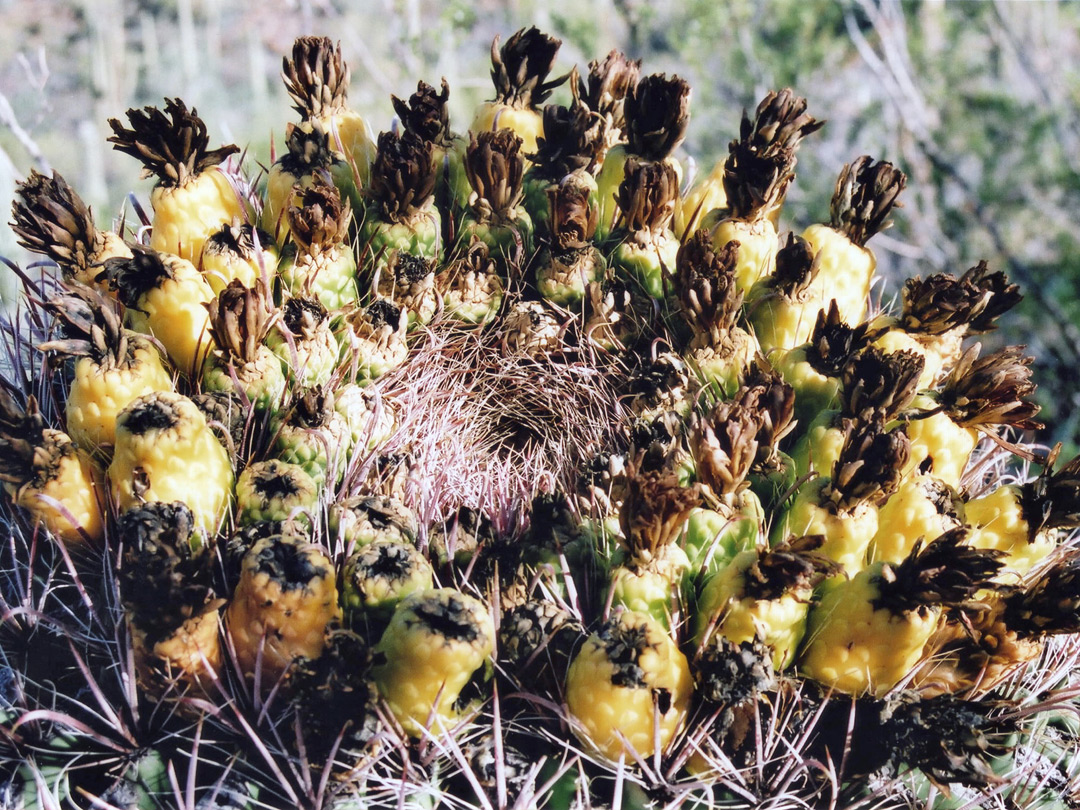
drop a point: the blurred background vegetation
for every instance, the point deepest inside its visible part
(978, 102)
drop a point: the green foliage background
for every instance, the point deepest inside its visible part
(978, 102)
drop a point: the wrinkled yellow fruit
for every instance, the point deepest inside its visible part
(350, 135)
(778, 623)
(526, 123)
(112, 247)
(286, 597)
(175, 313)
(192, 652)
(998, 522)
(814, 392)
(185, 216)
(818, 449)
(846, 270)
(706, 195)
(633, 703)
(166, 452)
(758, 246)
(923, 507)
(97, 396)
(939, 445)
(779, 323)
(66, 494)
(847, 533)
(651, 587)
(858, 649)
(434, 643)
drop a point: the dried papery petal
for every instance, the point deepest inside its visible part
(307, 149)
(654, 510)
(941, 303)
(882, 382)
(1052, 500)
(712, 302)
(724, 443)
(866, 193)
(92, 327)
(774, 400)
(1002, 296)
(303, 316)
(402, 176)
(23, 432)
(945, 572)
(607, 85)
(991, 391)
(316, 77)
(870, 465)
(657, 111)
(318, 215)
(519, 68)
(240, 319)
(495, 167)
(761, 163)
(573, 139)
(796, 267)
(647, 196)
(172, 145)
(426, 114)
(573, 215)
(793, 565)
(833, 343)
(49, 218)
